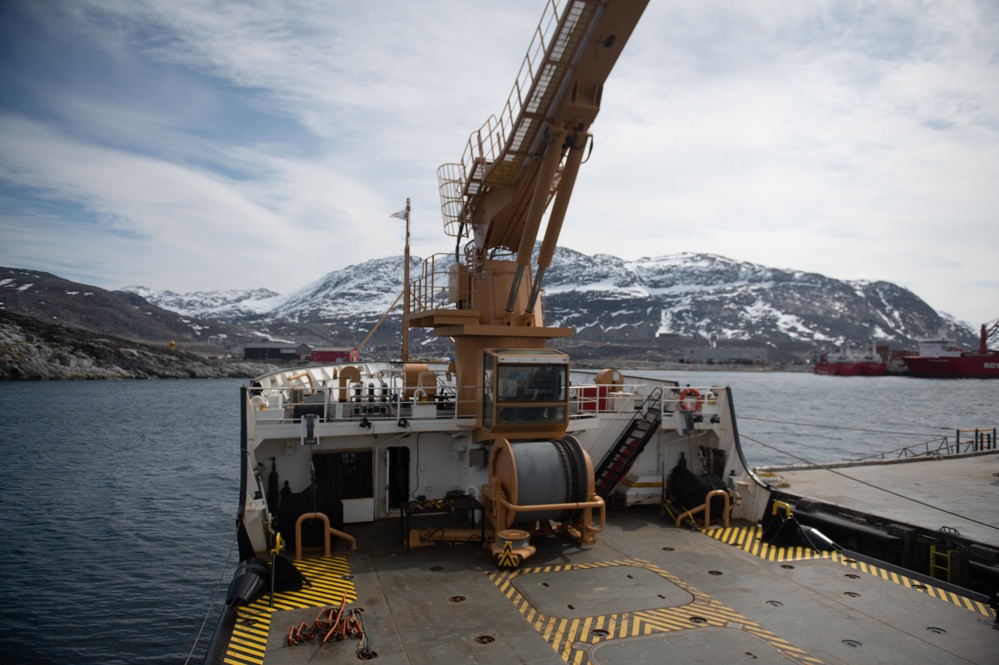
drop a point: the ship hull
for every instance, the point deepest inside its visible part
(968, 366)
(851, 368)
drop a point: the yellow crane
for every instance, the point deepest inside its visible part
(518, 165)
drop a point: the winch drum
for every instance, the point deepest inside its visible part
(537, 473)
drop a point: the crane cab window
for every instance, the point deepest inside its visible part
(525, 389)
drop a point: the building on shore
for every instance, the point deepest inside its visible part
(284, 351)
(732, 355)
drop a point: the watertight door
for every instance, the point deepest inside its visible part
(350, 475)
(395, 479)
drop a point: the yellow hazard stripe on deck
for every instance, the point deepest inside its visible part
(330, 582)
(748, 539)
(572, 638)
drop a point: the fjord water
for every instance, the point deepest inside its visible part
(118, 504)
(118, 498)
(796, 417)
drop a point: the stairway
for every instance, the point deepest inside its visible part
(621, 457)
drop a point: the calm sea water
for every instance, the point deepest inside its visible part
(117, 503)
(118, 499)
(789, 418)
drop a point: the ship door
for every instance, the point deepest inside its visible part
(349, 474)
(397, 478)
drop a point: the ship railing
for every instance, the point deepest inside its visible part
(694, 399)
(439, 286)
(980, 440)
(499, 149)
(381, 396)
(385, 394)
(589, 398)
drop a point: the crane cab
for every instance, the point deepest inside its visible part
(525, 392)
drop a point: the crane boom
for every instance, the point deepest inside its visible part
(515, 167)
(519, 161)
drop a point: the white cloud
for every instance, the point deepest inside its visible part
(265, 143)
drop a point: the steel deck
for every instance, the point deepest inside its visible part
(646, 592)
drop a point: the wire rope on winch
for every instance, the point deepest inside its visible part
(550, 472)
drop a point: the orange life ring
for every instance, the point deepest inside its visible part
(682, 402)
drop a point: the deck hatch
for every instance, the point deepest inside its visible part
(595, 591)
(574, 637)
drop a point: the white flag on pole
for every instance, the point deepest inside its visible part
(401, 214)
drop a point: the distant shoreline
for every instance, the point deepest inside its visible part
(34, 350)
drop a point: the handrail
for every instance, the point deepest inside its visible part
(498, 150)
(595, 502)
(432, 289)
(943, 447)
(706, 508)
(984, 438)
(370, 398)
(329, 531)
(363, 384)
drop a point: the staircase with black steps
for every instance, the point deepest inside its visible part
(616, 464)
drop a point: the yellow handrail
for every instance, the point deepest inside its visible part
(329, 531)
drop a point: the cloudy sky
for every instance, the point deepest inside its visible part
(195, 145)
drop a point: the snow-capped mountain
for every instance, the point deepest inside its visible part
(357, 291)
(232, 305)
(703, 295)
(47, 297)
(675, 299)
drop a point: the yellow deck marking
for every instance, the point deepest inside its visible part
(748, 539)
(331, 582)
(507, 560)
(571, 638)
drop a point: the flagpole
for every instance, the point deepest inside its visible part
(405, 291)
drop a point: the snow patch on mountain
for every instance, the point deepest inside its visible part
(231, 305)
(604, 298)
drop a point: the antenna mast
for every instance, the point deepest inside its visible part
(405, 291)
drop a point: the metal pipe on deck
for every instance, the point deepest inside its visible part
(706, 507)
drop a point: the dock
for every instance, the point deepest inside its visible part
(953, 494)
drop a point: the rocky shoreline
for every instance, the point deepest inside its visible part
(31, 349)
(35, 350)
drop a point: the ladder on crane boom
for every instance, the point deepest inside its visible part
(526, 158)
